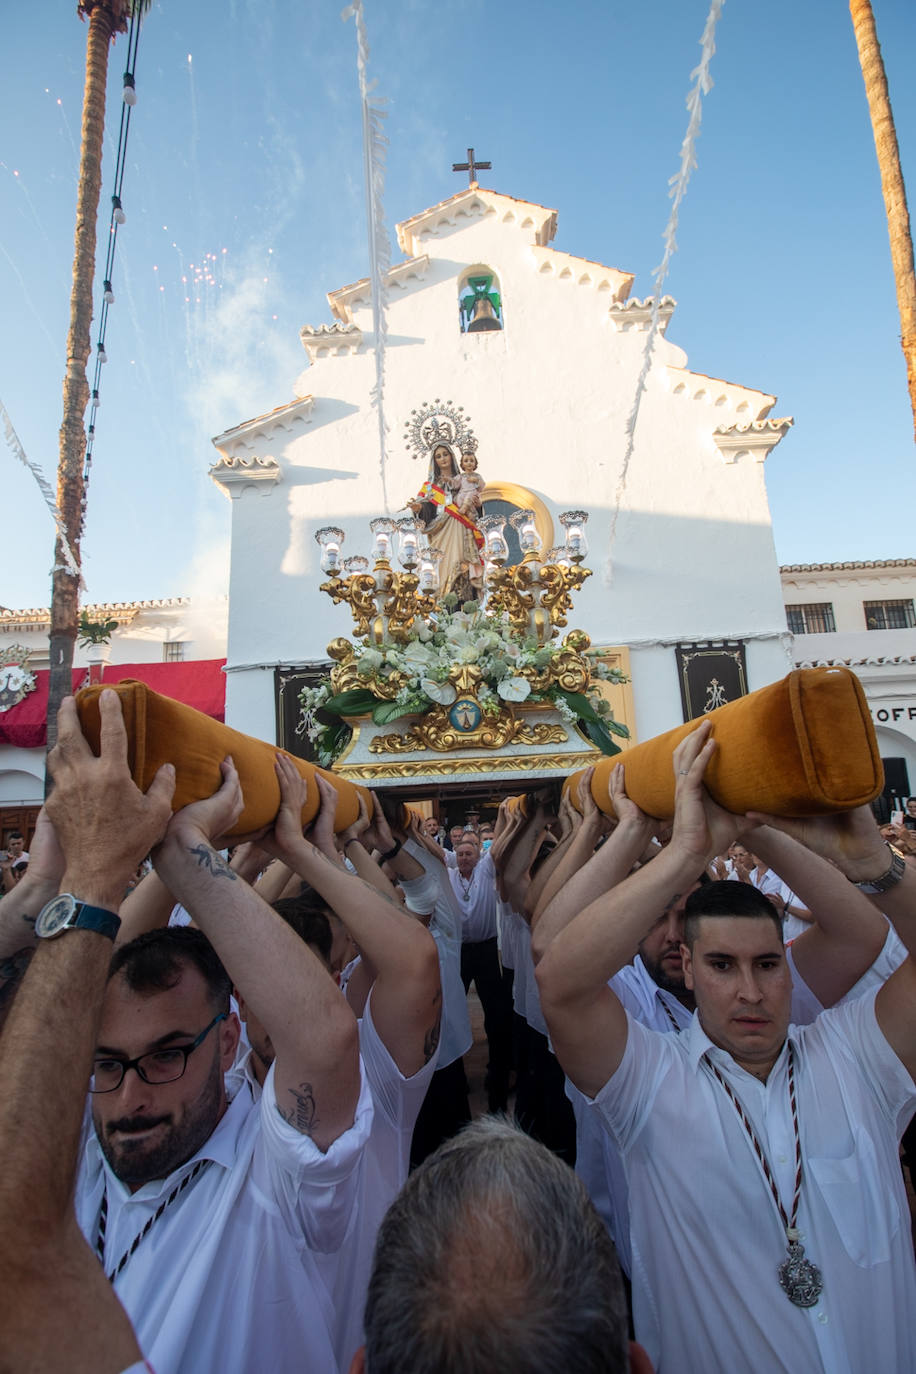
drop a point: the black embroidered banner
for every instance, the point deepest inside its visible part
(710, 675)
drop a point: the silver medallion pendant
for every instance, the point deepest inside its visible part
(799, 1279)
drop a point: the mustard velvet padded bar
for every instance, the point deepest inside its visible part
(804, 746)
(160, 730)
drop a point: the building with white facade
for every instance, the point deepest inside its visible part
(176, 644)
(681, 541)
(862, 615)
(170, 630)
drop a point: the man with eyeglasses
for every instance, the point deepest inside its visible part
(154, 1111)
(206, 1217)
(214, 1219)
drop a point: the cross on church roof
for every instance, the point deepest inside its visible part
(471, 167)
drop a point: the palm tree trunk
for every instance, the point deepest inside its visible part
(65, 587)
(898, 219)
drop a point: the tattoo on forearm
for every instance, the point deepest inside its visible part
(304, 1116)
(29, 920)
(209, 859)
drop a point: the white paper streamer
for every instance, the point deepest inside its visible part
(702, 85)
(12, 438)
(374, 156)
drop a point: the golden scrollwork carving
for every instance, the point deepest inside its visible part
(535, 598)
(439, 767)
(358, 590)
(464, 726)
(541, 734)
(384, 604)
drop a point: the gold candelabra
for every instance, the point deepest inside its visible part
(385, 604)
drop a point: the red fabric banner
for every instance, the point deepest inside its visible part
(200, 683)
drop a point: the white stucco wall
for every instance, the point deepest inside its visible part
(548, 397)
(22, 776)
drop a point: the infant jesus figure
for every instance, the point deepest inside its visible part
(467, 486)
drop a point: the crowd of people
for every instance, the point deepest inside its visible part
(701, 1041)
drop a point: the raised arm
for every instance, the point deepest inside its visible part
(543, 870)
(19, 908)
(588, 1026)
(148, 907)
(106, 826)
(312, 1029)
(849, 933)
(853, 842)
(588, 880)
(406, 996)
(514, 860)
(581, 831)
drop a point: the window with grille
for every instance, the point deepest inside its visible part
(889, 615)
(173, 652)
(816, 618)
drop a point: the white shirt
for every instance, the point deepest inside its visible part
(893, 953)
(507, 932)
(477, 900)
(705, 1234)
(227, 1278)
(525, 996)
(397, 1101)
(455, 1038)
(598, 1161)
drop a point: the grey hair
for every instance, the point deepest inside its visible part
(492, 1257)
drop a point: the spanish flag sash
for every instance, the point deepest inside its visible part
(438, 496)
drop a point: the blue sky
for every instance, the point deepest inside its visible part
(246, 162)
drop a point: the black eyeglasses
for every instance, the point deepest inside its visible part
(158, 1066)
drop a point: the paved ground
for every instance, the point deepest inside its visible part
(475, 1061)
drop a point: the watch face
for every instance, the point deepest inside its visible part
(55, 916)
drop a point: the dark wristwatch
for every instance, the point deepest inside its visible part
(66, 912)
(887, 880)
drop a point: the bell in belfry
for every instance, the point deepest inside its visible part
(483, 316)
(481, 308)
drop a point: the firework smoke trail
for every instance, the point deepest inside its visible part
(55, 343)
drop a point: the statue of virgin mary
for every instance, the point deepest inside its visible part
(449, 529)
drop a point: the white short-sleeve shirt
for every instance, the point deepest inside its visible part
(397, 1101)
(445, 927)
(597, 1159)
(228, 1277)
(705, 1235)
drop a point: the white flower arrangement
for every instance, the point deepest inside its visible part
(395, 680)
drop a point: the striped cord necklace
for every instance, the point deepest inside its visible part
(799, 1279)
(131, 1249)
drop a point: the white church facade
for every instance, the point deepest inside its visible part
(681, 543)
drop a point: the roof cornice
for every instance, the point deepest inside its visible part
(281, 418)
(848, 567)
(637, 314)
(475, 203)
(875, 661)
(345, 299)
(330, 340)
(123, 611)
(236, 475)
(583, 272)
(755, 439)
